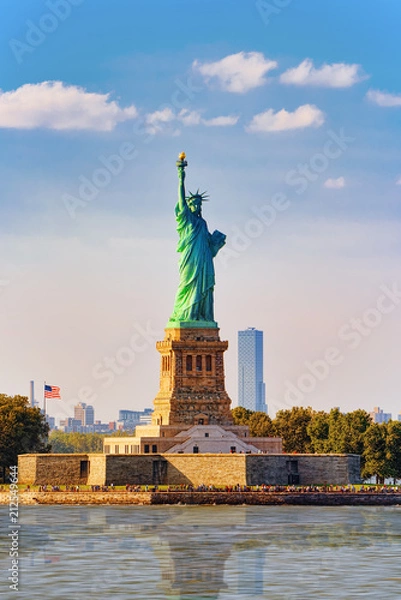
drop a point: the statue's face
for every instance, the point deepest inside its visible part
(195, 205)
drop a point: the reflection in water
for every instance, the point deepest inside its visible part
(221, 552)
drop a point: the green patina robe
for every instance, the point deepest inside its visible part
(194, 299)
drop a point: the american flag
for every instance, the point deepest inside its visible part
(52, 391)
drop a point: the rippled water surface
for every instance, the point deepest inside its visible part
(218, 552)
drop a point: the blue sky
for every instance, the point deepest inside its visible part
(255, 93)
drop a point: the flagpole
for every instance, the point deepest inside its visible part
(44, 398)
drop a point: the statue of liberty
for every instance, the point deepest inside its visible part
(194, 299)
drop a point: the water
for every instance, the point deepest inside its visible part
(196, 553)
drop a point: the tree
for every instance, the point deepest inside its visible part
(393, 449)
(261, 425)
(355, 425)
(318, 431)
(292, 427)
(241, 415)
(375, 456)
(337, 432)
(66, 443)
(23, 429)
(61, 442)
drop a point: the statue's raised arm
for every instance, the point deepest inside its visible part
(194, 300)
(181, 164)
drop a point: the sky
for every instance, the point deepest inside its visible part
(290, 116)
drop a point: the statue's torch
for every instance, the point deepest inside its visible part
(181, 162)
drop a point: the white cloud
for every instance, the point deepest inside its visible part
(189, 117)
(158, 119)
(160, 116)
(335, 184)
(337, 75)
(55, 105)
(306, 115)
(384, 98)
(398, 182)
(226, 121)
(162, 121)
(237, 73)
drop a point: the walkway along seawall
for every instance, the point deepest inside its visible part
(207, 498)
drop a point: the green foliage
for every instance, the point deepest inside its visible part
(375, 453)
(393, 449)
(241, 415)
(305, 430)
(339, 433)
(292, 426)
(23, 429)
(261, 425)
(75, 442)
(318, 431)
(356, 423)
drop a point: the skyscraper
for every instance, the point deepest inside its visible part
(251, 388)
(84, 413)
(79, 412)
(89, 415)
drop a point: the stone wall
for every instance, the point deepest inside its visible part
(52, 469)
(354, 468)
(207, 498)
(97, 469)
(208, 469)
(185, 469)
(311, 469)
(80, 498)
(266, 469)
(336, 469)
(27, 468)
(135, 470)
(278, 498)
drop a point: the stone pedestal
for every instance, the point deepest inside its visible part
(192, 389)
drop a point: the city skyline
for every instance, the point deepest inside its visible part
(292, 127)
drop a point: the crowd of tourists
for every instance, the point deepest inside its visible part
(347, 489)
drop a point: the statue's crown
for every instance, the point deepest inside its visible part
(202, 195)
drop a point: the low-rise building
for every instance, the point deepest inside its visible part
(198, 439)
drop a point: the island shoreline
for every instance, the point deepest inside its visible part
(207, 498)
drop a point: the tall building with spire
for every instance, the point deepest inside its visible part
(251, 387)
